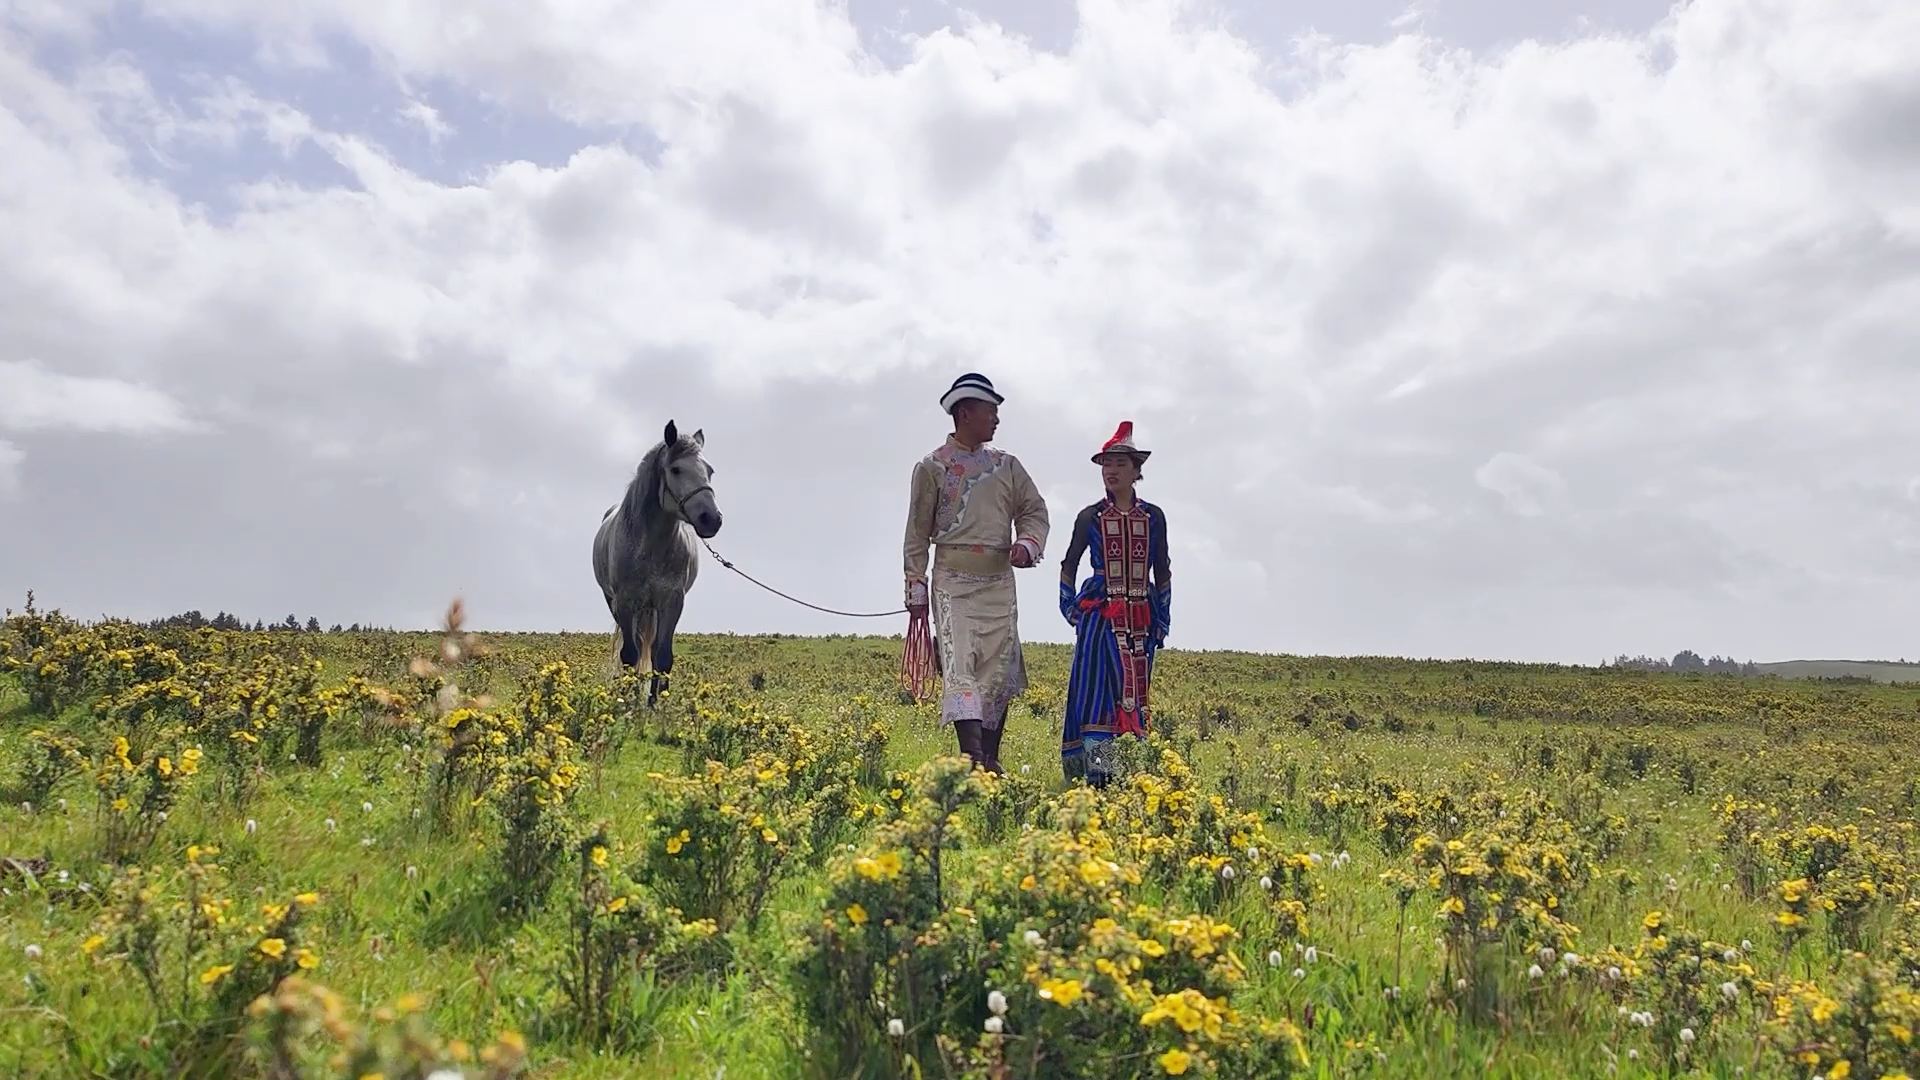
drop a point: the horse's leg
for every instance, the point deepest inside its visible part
(629, 651)
(669, 618)
(646, 622)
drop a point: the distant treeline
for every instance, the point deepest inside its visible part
(1686, 660)
(194, 620)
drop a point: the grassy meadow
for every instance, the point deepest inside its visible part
(286, 854)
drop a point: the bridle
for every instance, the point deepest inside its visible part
(679, 503)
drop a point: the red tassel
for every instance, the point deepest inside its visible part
(917, 660)
(1125, 429)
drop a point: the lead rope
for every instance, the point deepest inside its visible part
(917, 662)
(848, 614)
(916, 658)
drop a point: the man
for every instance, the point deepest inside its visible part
(980, 512)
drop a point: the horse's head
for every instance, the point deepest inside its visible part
(686, 482)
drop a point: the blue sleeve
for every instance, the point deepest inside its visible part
(1070, 566)
(1162, 572)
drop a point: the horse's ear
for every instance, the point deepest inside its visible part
(700, 438)
(673, 435)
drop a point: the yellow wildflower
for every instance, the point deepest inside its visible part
(1061, 991)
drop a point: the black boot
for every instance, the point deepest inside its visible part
(990, 747)
(969, 734)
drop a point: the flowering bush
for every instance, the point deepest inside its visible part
(621, 935)
(201, 955)
(890, 964)
(137, 794)
(1679, 986)
(1861, 1029)
(723, 838)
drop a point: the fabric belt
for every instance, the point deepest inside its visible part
(972, 559)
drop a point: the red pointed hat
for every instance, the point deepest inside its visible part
(1122, 443)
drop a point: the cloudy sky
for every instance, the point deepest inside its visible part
(1539, 329)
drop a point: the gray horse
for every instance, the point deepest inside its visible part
(644, 555)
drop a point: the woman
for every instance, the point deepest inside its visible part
(1120, 614)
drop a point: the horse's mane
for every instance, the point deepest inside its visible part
(642, 499)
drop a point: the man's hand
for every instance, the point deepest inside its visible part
(1022, 553)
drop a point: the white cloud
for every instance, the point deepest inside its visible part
(33, 398)
(1655, 292)
(429, 119)
(1526, 486)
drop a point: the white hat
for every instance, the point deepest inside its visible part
(971, 385)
